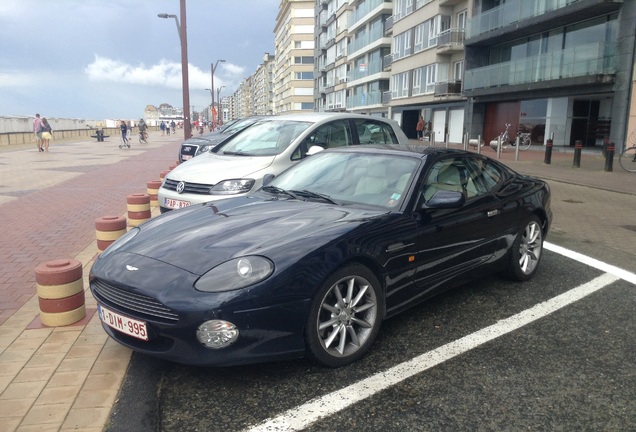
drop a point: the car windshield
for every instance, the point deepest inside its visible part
(352, 177)
(265, 138)
(237, 126)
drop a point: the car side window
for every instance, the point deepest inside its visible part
(371, 131)
(460, 174)
(333, 134)
(485, 176)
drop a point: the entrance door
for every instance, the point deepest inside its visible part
(439, 125)
(584, 122)
(456, 125)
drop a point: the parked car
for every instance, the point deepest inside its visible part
(237, 165)
(319, 257)
(200, 144)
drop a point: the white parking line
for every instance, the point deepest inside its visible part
(302, 416)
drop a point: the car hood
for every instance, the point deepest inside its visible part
(201, 237)
(212, 168)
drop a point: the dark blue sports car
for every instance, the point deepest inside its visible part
(313, 262)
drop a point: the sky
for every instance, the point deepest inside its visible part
(108, 59)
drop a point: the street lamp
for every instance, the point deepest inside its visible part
(183, 39)
(218, 98)
(212, 70)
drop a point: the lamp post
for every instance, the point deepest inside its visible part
(218, 98)
(211, 107)
(183, 39)
(212, 70)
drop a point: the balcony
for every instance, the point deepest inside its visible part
(448, 88)
(364, 100)
(388, 26)
(587, 61)
(450, 41)
(387, 60)
(522, 17)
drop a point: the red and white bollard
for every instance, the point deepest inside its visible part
(108, 229)
(138, 208)
(60, 292)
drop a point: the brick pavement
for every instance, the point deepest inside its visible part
(68, 378)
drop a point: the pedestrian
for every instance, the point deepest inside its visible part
(124, 131)
(162, 126)
(37, 130)
(143, 127)
(47, 134)
(173, 126)
(420, 128)
(130, 128)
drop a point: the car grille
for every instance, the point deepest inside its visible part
(193, 188)
(125, 300)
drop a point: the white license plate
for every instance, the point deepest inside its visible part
(176, 204)
(186, 157)
(122, 323)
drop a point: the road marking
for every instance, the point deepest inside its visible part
(300, 417)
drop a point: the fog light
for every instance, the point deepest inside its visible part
(217, 334)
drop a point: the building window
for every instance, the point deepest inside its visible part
(303, 60)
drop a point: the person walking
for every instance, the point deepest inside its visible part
(37, 130)
(162, 126)
(47, 134)
(143, 127)
(124, 136)
(419, 128)
(173, 126)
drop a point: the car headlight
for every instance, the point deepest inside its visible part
(204, 148)
(232, 187)
(235, 274)
(121, 241)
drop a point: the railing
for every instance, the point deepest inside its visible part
(388, 24)
(448, 88)
(361, 42)
(510, 12)
(387, 60)
(360, 12)
(364, 99)
(450, 37)
(370, 69)
(589, 59)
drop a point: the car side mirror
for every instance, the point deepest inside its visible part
(443, 199)
(267, 179)
(314, 149)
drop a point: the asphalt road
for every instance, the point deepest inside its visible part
(470, 359)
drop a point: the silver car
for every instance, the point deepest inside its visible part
(269, 146)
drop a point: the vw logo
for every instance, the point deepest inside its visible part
(180, 187)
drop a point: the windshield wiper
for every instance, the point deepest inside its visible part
(236, 153)
(311, 194)
(279, 191)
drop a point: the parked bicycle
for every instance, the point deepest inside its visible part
(627, 159)
(524, 140)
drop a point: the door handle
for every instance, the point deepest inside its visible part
(492, 213)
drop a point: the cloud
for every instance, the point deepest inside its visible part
(164, 74)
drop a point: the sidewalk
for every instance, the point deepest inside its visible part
(68, 378)
(64, 378)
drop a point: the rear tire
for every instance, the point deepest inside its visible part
(627, 159)
(345, 317)
(525, 254)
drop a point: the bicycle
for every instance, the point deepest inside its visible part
(627, 159)
(524, 140)
(143, 137)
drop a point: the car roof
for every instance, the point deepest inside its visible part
(416, 150)
(322, 116)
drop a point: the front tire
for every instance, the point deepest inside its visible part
(345, 317)
(525, 253)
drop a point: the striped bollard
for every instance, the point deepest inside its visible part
(152, 188)
(163, 174)
(60, 292)
(108, 229)
(138, 208)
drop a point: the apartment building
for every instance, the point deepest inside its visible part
(263, 88)
(293, 70)
(551, 68)
(426, 65)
